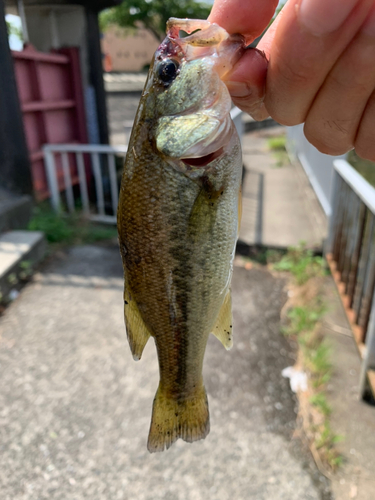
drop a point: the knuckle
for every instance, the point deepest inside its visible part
(296, 74)
(326, 143)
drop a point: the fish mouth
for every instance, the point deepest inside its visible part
(202, 161)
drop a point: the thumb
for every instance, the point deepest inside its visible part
(246, 82)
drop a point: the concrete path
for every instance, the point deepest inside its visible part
(75, 408)
(280, 208)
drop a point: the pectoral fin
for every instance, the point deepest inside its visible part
(223, 327)
(136, 330)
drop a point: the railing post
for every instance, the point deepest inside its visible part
(333, 217)
(52, 179)
(369, 358)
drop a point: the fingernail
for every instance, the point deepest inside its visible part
(322, 17)
(369, 25)
(238, 89)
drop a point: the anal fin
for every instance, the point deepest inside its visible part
(137, 332)
(223, 329)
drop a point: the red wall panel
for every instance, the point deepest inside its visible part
(52, 104)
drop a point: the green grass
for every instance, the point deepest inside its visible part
(57, 228)
(277, 145)
(365, 167)
(302, 319)
(316, 352)
(302, 263)
(325, 441)
(320, 401)
(68, 229)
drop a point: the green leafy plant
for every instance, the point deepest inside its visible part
(68, 229)
(302, 319)
(302, 263)
(56, 227)
(277, 143)
(153, 15)
(320, 401)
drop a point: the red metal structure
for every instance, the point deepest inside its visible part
(52, 105)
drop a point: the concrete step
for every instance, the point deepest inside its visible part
(15, 211)
(20, 252)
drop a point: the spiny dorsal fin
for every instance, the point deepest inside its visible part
(136, 330)
(223, 328)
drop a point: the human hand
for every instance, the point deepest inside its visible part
(319, 68)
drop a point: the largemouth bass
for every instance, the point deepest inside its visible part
(178, 219)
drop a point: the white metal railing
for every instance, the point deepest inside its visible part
(317, 166)
(350, 252)
(85, 161)
(236, 114)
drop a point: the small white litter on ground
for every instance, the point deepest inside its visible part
(298, 378)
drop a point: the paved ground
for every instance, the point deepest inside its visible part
(75, 407)
(124, 82)
(121, 108)
(280, 208)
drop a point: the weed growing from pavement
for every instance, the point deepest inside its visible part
(303, 325)
(302, 263)
(277, 145)
(68, 229)
(320, 401)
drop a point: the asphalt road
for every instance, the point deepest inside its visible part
(75, 408)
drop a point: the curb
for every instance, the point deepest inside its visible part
(20, 252)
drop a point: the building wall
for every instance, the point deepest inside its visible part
(59, 26)
(56, 26)
(127, 51)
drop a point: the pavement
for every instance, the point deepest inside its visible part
(124, 82)
(75, 408)
(279, 206)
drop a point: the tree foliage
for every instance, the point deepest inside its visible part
(13, 30)
(152, 14)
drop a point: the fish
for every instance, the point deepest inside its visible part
(178, 220)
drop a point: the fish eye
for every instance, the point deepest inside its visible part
(167, 71)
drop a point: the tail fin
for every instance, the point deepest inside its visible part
(172, 419)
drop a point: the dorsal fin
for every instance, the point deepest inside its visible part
(223, 327)
(137, 332)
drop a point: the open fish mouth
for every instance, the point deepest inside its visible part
(203, 161)
(193, 103)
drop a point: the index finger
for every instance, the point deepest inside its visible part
(250, 18)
